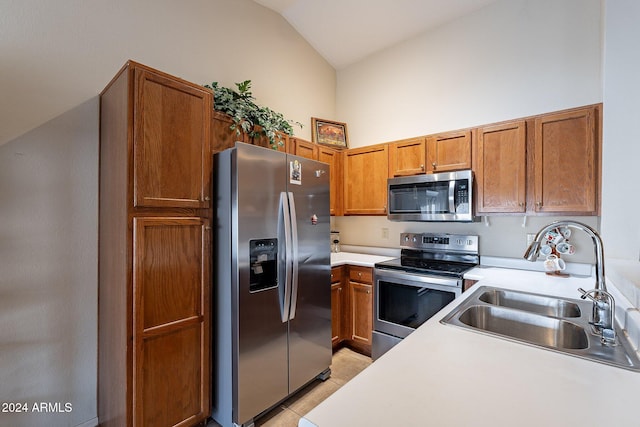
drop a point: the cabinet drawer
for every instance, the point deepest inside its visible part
(361, 274)
(336, 274)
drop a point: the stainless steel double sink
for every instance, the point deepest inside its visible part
(552, 323)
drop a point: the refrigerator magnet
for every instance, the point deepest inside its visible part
(295, 172)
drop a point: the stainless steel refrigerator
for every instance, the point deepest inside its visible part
(272, 291)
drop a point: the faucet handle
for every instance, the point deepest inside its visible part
(608, 336)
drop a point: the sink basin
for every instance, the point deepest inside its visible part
(541, 304)
(522, 325)
(547, 322)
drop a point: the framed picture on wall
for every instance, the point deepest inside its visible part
(327, 132)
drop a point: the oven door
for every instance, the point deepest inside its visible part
(404, 301)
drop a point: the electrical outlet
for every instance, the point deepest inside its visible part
(530, 237)
(385, 233)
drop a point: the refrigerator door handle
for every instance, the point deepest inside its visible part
(295, 257)
(284, 255)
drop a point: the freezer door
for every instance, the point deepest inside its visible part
(262, 369)
(310, 324)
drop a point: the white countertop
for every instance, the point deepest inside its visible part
(352, 258)
(446, 376)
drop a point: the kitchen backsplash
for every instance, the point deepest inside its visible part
(499, 236)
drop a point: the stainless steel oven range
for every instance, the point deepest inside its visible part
(411, 289)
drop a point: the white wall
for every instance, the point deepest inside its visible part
(58, 57)
(621, 148)
(48, 269)
(512, 59)
(48, 176)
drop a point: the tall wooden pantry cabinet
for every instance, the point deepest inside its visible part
(154, 250)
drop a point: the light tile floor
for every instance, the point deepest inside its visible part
(345, 365)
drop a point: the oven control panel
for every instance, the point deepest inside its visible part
(444, 242)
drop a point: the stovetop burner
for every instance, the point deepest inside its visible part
(436, 254)
(439, 268)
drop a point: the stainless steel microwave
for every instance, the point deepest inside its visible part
(446, 196)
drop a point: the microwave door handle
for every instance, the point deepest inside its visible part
(452, 202)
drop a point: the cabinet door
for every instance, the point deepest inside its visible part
(500, 163)
(336, 312)
(338, 306)
(171, 142)
(171, 321)
(361, 299)
(407, 157)
(566, 162)
(334, 159)
(448, 152)
(305, 149)
(365, 180)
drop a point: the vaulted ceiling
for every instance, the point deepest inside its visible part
(345, 31)
(53, 57)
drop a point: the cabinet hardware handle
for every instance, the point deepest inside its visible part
(539, 204)
(368, 291)
(433, 164)
(421, 167)
(332, 275)
(359, 274)
(521, 204)
(207, 198)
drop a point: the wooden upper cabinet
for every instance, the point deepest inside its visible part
(304, 148)
(365, 180)
(171, 142)
(334, 159)
(281, 142)
(567, 162)
(223, 137)
(449, 151)
(407, 157)
(500, 162)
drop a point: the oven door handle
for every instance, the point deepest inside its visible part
(419, 278)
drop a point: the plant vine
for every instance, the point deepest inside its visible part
(248, 117)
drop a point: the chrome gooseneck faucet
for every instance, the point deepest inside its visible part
(603, 315)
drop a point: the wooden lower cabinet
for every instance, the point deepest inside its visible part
(338, 298)
(170, 331)
(361, 308)
(352, 307)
